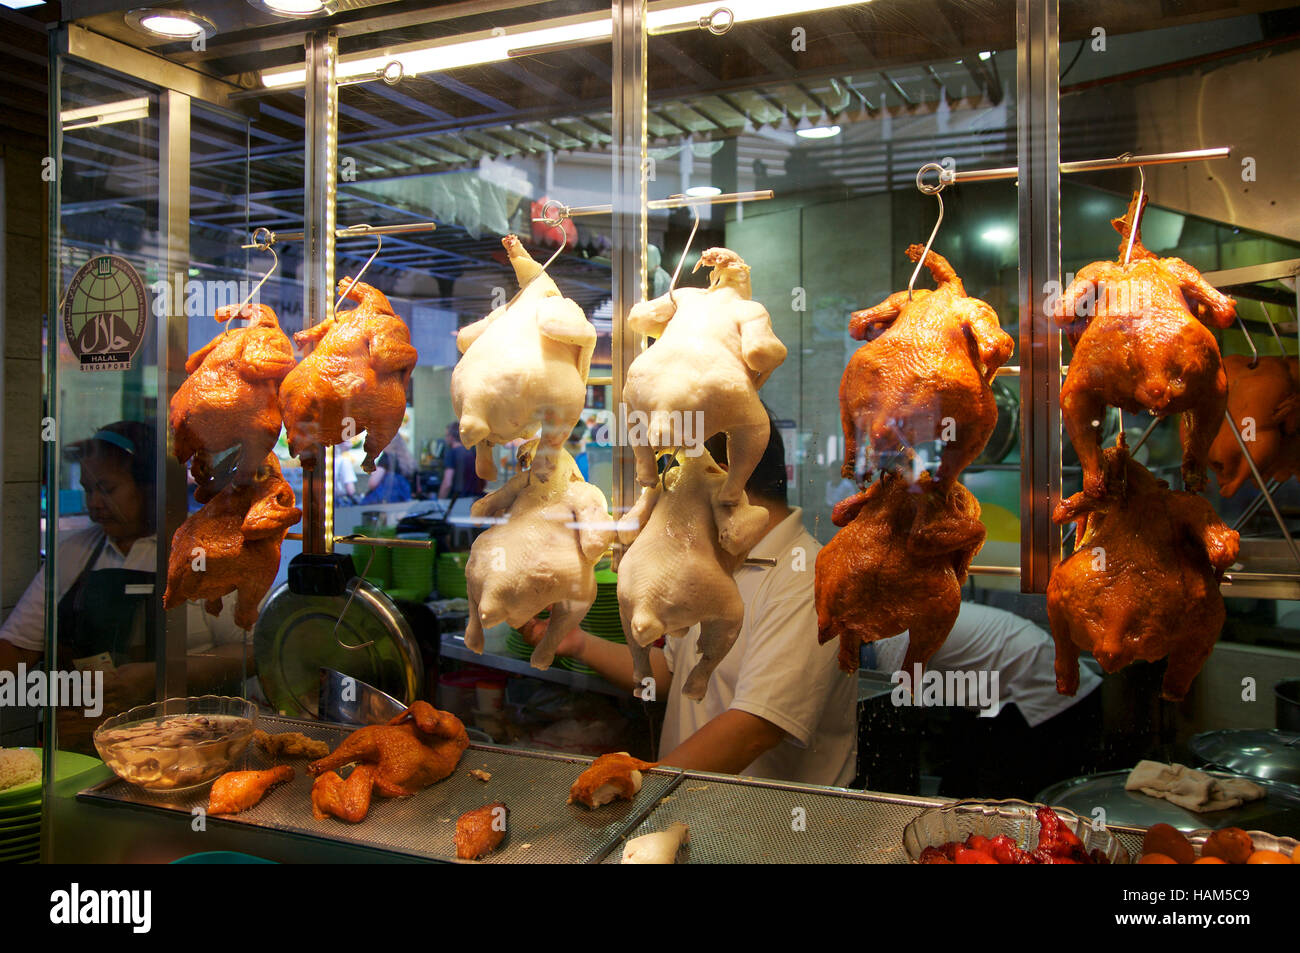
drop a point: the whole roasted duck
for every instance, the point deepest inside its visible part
(354, 377)
(231, 396)
(1264, 400)
(923, 375)
(1143, 580)
(714, 349)
(523, 368)
(898, 563)
(686, 544)
(541, 554)
(1141, 344)
(232, 544)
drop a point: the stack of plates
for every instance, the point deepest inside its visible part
(412, 576)
(449, 575)
(20, 809)
(516, 645)
(602, 620)
(375, 563)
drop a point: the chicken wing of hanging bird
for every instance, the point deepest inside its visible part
(522, 369)
(354, 377)
(1143, 581)
(237, 791)
(417, 748)
(924, 375)
(609, 778)
(686, 544)
(233, 544)
(1264, 401)
(897, 564)
(1141, 344)
(540, 553)
(231, 397)
(714, 349)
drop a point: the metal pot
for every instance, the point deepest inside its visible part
(1288, 704)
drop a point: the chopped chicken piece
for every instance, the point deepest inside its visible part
(661, 847)
(611, 776)
(237, 791)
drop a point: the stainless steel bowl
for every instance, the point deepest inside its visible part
(1017, 819)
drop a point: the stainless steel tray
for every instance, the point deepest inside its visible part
(533, 785)
(755, 822)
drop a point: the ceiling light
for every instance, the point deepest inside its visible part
(472, 49)
(122, 111)
(293, 8)
(703, 191)
(171, 24)
(996, 235)
(818, 132)
(20, 4)
(986, 55)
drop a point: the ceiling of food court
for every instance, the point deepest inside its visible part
(893, 74)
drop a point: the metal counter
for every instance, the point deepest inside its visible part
(732, 820)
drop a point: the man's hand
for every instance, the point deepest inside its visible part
(534, 630)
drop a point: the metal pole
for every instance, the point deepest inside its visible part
(321, 162)
(173, 346)
(1038, 198)
(630, 194)
(950, 177)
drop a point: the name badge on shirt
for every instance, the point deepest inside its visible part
(103, 662)
(139, 589)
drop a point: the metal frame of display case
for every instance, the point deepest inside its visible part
(1038, 137)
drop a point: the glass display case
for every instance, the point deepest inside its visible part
(255, 156)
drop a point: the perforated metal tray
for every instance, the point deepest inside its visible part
(543, 828)
(766, 822)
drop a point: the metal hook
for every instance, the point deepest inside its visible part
(690, 239)
(373, 255)
(1254, 351)
(555, 219)
(936, 191)
(352, 595)
(1137, 209)
(265, 243)
(1273, 327)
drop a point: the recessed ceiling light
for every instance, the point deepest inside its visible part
(171, 24)
(293, 8)
(703, 191)
(986, 55)
(818, 132)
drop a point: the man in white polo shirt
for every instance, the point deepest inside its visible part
(777, 706)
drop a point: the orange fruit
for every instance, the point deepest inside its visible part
(1268, 857)
(1209, 860)
(1157, 859)
(1168, 840)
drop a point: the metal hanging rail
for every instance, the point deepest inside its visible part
(1125, 161)
(553, 213)
(354, 231)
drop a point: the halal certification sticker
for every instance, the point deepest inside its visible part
(104, 313)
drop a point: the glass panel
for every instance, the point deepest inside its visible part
(1132, 82)
(105, 372)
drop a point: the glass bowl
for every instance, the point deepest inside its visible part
(1017, 819)
(178, 744)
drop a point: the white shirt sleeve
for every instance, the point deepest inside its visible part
(25, 626)
(785, 676)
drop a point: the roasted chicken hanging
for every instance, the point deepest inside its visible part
(1140, 344)
(541, 554)
(686, 543)
(523, 369)
(898, 563)
(353, 378)
(232, 544)
(418, 747)
(924, 375)
(1143, 581)
(1264, 400)
(714, 349)
(231, 397)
